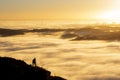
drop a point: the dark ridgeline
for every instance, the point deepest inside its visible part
(106, 33)
(12, 32)
(12, 69)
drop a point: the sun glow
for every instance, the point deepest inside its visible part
(111, 15)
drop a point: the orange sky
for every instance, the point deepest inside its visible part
(60, 9)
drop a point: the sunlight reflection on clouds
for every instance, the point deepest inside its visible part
(78, 60)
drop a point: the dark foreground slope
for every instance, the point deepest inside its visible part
(12, 69)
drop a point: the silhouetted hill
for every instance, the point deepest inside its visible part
(106, 33)
(93, 33)
(12, 69)
(10, 32)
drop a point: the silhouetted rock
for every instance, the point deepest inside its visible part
(56, 78)
(12, 69)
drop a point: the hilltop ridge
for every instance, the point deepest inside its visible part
(14, 69)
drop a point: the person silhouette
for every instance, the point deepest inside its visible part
(34, 62)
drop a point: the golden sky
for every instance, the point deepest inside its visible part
(60, 9)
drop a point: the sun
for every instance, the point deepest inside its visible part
(111, 15)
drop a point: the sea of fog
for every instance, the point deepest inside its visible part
(33, 24)
(73, 60)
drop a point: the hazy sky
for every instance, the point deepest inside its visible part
(58, 9)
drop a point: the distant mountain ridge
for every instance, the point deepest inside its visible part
(75, 34)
